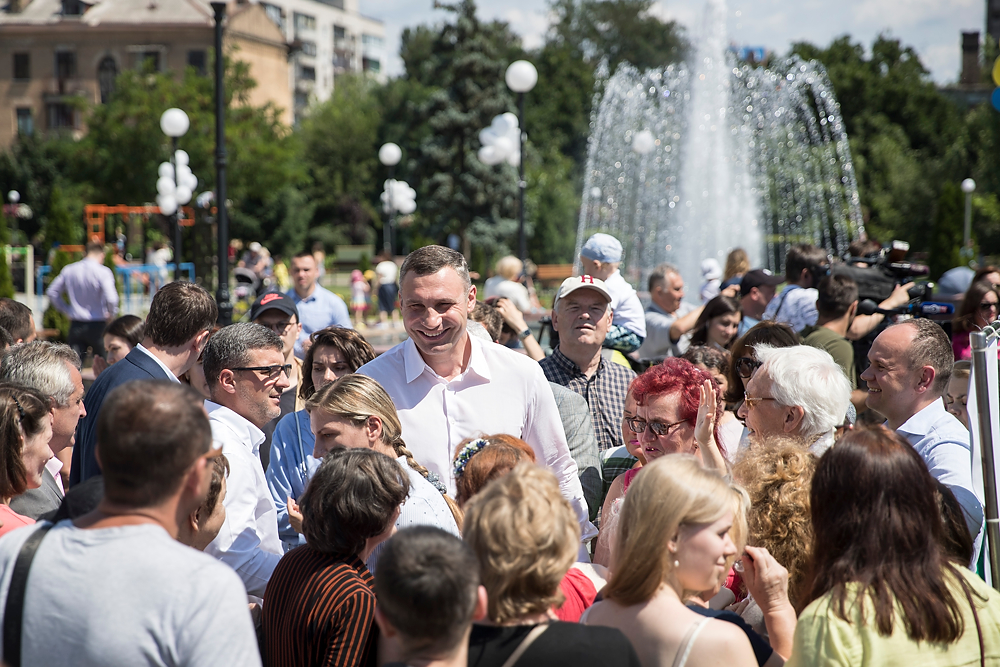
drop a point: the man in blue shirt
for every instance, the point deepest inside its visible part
(911, 365)
(93, 299)
(318, 307)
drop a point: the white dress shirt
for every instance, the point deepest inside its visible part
(500, 391)
(248, 541)
(170, 373)
(943, 443)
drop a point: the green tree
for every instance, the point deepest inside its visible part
(60, 225)
(454, 188)
(947, 233)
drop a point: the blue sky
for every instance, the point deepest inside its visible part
(932, 27)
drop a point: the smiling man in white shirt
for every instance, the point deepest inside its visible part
(246, 372)
(449, 386)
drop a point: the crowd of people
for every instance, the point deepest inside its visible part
(680, 484)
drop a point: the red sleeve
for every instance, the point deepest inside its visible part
(580, 593)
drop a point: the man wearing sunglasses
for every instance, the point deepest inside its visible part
(246, 373)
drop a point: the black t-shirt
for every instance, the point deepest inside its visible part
(761, 649)
(561, 645)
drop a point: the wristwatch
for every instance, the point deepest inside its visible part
(524, 334)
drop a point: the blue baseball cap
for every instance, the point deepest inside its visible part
(602, 248)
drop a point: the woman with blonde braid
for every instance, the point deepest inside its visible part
(355, 412)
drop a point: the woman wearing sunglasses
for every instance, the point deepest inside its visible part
(676, 409)
(980, 306)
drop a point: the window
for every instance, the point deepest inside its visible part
(275, 13)
(339, 33)
(65, 64)
(342, 61)
(370, 65)
(72, 7)
(25, 121)
(301, 99)
(147, 61)
(199, 61)
(107, 72)
(22, 66)
(309, 48)
(339, 4)
(307, 73)
(61, 116)
(372, 42)
(304, 22)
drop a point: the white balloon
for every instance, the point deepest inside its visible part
(167, 204)
(488, 156)
(504, 147)
(514, 158)
(166, 170)
(488, 137)
(408, 207)
(183, 172)
(511, 120)
(411, 193)
(165, 186)
(183, 194)
(181, 157)
(191, 182)
(501, 124)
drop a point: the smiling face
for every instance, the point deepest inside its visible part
(66, 417)
(701, 553)
(334, 431)
(630, 438)
(892, 384)
(436, 309)
(988, 309)
(666, 410)
(36, 453)
(722, 329)
(582, 319)
(766, 417)
(258, 394)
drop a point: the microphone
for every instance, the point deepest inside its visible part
(925, 309)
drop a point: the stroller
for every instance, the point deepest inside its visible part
(245, 293)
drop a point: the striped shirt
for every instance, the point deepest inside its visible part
(604, 391)
(319, 610)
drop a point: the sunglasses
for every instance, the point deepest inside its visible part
(271, 372)
(745, 366)
(658, 428)
(986, 305)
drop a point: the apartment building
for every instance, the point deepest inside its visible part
(328, 38)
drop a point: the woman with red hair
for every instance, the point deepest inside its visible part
(677, 404)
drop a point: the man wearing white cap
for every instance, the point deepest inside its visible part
(600, 257)
(582, 316)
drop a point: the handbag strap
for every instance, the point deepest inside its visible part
(13, 613)
(535, 633)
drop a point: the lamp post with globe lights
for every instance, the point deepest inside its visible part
(176, 183)
(389, 155)
(968, 187)
(13, 197)
(521, 77)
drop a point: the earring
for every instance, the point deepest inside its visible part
(677, 563)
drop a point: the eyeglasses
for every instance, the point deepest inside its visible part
(753, 402)
(745, 366)
(658, 428)
(272, 371)
(277, 327)
(986, 305)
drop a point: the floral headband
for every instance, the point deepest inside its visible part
(467, 453)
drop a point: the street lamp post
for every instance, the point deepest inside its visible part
(968, 187)
(222, 215)
(172, 195)
(389, 155)
(521, 77)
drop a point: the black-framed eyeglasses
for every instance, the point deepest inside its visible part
(745, 366)
(277, 327)
(272, 371)
(658, 428)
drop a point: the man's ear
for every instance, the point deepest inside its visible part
(793, 418)
(226, 383)
(482, 605)
(927, 376)
(555, 320)
(199, 341)
(472, 298)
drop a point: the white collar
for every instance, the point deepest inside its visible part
(414, 364)
(170, 373)
(922, 421)
(245, 432)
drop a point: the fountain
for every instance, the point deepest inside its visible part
(693, 160)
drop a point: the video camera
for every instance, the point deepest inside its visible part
(882, 272)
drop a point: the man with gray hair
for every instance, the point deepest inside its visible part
(246, 371)
(798, 391)
(54, 370)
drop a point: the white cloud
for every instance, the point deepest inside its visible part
(932, 27)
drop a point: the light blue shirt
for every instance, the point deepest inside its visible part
(943, 443)
(746, 324)
(795, 306)
(290, 468)
(90, 287)
(319, 310)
